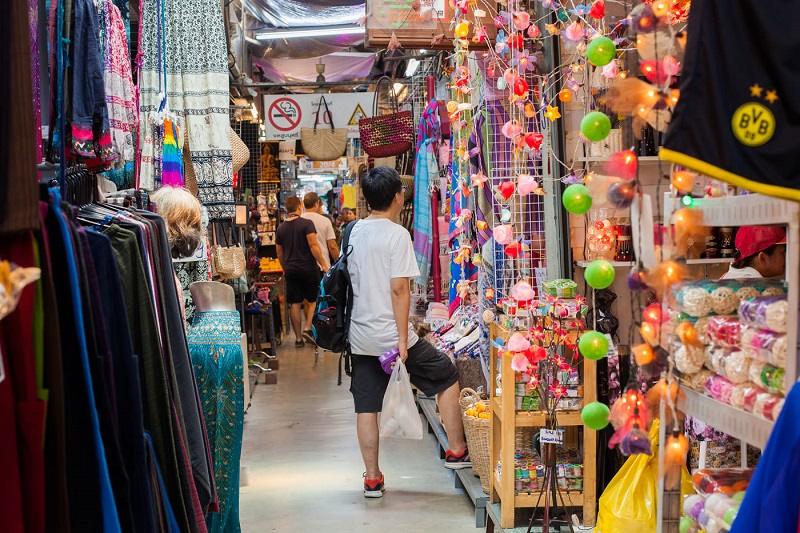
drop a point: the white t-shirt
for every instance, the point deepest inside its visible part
(324, 233)
(382, 250)
(741, 273)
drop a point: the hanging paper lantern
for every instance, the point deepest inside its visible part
(522, 292)
(513, 249)
(598, 9)
(506, 189)
(521, 88)
(599, 274)
(530, 111)
(593, 345)
(534, 31)
(595, 415)
(526, 184)
(637, 280)
(622, 164)
(683, 181)
(512, 128)
(501, 84)
(688, 334)
(601, 51)
(502, 233)
(660, 8)
(563, 15)
(643, 354)
(621, 194)
(653, 314)
(565, 95)
(595, 126)
(649, 333)
(577, 199)
(521, 20)
(643, 20)
(511, 75)
(462, 29)
(515, 41)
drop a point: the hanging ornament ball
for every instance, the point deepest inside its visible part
(599, 274)
(462, 29)
(593, 345)
(530, 111)
(601, 51)
(563, 15)
(595, 415)
(505, 216)
(565, 95)
(621, 194)
(577, 199)
(595, 126)
(501, 84)
(683, 181)
(521, 88)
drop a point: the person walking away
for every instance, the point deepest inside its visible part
(326, 237)
(301, 259)
(381, 266)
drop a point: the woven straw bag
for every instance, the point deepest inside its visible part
(321, 144)
(386, 135)
(239, 151)
(228, 261)
(476, 431)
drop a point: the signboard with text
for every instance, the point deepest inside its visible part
(286, 115)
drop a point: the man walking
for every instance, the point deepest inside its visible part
(347, 216)
(325, 234)
(301, 259)
(381, 266)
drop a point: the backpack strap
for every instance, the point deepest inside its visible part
(345, 355)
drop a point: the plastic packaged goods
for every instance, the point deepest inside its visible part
(560, 288)
(765, 313)
(697, 382)
(768, 406)
(696, 302)
(767, 376)
(719, 388)
(731, 364)
(724, 300)
(764, 345)
(724, 331)
(729, 481)
(742, 393)
(701, 326)
(750, 396)
(689, 360)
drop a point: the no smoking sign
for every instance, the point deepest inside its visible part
(284, 114)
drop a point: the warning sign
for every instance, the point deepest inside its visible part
(284, 114)
(287, 115)
(357, 114)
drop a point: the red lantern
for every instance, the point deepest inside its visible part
(513, 249)
(521, 88)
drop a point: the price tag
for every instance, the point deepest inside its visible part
(551, 436)
(612, 350)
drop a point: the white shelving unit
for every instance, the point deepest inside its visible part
(750, 210)
(629, 264)
(645, 159)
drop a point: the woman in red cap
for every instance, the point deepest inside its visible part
(762, 253)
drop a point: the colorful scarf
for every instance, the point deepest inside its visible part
(171, 156)
(425, 176)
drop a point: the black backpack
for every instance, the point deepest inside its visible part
(331, 322)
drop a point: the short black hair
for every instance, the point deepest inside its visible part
(310, 199)
(748, 261)
(346, 210)
(380, 186)
(292, 204)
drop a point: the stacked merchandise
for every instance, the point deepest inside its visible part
(529, 470)
(720, 493)
(736, 356)
(462, 339)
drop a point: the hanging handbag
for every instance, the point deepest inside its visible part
(227, 261)
(321, 144)
(386, 135)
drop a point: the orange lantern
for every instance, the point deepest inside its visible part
(649, 333)
(683, 181)
(565, 95)
(643, 354)
(462, 29)
(688, 334)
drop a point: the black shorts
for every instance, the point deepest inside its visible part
(431, 372)
(302, 285)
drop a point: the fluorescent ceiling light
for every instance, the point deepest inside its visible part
(324, 31)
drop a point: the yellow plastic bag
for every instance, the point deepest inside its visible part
(628, 505)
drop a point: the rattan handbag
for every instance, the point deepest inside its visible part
(227, 261)
(386, 135)
(321, 144)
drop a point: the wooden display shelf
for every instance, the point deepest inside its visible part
(535, 419)
(506, 420)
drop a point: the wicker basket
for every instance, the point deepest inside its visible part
(476, 431)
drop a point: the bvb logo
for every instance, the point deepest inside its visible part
(753, 124)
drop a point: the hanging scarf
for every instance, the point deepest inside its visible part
(118, 84)
(425, 175)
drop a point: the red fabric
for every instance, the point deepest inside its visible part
(22, 418)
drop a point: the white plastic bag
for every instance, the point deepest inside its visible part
(399, 415)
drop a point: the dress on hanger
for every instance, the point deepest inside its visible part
(215, 346)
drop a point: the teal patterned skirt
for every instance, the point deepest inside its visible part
(215, 346)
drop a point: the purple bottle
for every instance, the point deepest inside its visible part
(387, 359)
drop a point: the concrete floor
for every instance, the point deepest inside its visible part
(301, 466)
